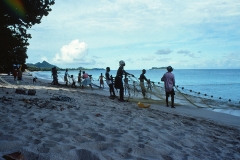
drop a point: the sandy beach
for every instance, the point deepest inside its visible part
(64, 123)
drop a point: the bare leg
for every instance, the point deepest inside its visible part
(172, 101)
(167, 100)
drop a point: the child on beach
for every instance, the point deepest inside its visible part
(73, 81)
(142, 78)
(169, 81)
(101, 80)
(109, 82)
(66, 77)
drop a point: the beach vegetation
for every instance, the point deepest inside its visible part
(16, 18)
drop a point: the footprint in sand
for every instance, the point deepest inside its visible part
(97, 137)
(43, 149)
(57, 125)
(84, 154)
(8, 137)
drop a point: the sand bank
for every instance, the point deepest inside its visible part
(64, 123)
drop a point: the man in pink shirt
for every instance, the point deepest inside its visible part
(169, 82)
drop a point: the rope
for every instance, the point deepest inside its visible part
(137, 84)
(200, 95)
(61, 77)
(5, 82)
(210, 84)
(188, 99)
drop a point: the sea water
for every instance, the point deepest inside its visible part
(221, 84)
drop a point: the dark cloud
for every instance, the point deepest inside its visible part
(163, 51)
(183, 52)
(191, 55)
(188, 53)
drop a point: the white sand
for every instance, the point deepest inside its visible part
(92, 127)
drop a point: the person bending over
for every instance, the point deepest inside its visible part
(87, 80)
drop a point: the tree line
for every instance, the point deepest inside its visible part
(16, 18)
(35, 68)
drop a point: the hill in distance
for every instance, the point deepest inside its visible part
(47, 66)
(44, 64)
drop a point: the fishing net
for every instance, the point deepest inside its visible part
(155, 94)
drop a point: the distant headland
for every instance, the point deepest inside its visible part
(153, 68)
(45, 66)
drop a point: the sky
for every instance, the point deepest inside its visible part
(185, 34)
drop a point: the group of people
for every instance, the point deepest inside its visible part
(17, 72)
(168, 79)
(86, 79)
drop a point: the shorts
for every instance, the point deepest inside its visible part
(142, 87)
(172, 93)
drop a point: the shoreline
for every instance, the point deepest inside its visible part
(219, 92)
(89, 125)
(181, 102)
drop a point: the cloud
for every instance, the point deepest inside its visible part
(75, 51)
(232, 56)
(109, 25)
(231, 60)
(187, 53)
(225, 61)
(163, 51)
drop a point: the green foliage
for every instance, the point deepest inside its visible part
(16, 18)
(32, 68)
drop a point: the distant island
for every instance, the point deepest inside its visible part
(153, 68)
(45, 66)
